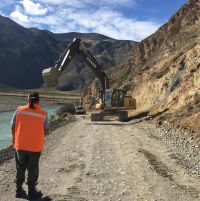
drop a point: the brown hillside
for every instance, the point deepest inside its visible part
(163, 70)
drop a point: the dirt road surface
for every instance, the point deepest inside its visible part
(84, 161)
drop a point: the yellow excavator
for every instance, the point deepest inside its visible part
(113, 102)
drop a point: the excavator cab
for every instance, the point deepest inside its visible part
(113, 105)
(113, 98)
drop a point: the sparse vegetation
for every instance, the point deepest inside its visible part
(67, 108)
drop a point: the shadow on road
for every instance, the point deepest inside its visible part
(112, 123)
(46, 198)
(139, 116)
(131, 120)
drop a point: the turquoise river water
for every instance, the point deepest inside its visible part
(5, 129)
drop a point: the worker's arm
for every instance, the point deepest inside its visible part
(13, 121)
(13, 135)
(46, 132)
(46, 127)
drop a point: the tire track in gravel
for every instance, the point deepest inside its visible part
(84, 161)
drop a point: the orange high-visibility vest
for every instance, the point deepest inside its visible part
(29, 128)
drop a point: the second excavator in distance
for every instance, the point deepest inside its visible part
(113, 102)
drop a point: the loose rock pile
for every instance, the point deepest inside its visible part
(184, 146)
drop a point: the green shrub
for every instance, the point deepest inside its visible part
(67, 108)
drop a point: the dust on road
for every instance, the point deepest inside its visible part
(84, 161)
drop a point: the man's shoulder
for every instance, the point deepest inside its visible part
(22, 107)
(44, 112)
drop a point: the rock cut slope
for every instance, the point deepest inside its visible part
(163, 70)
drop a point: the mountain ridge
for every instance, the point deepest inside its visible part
(25, 52)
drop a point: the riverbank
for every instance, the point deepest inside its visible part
(56, 122)
(9, 101)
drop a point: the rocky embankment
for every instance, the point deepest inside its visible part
(183, 145)
(56, 122)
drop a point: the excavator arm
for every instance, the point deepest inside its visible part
(94, 66)
(52, 74)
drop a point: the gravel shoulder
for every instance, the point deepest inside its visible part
(112, 161)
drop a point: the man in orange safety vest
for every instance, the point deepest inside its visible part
(29, 126)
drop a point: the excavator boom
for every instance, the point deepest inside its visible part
(52, 74)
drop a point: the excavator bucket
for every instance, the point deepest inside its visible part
(51, 76)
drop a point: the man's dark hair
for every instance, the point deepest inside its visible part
(33, 98)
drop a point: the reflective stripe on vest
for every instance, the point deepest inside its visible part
(31, 114)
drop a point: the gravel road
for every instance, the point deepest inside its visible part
(107, 161)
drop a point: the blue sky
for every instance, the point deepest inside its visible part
(119, 19)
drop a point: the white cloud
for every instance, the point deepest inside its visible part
(103, 20)
(126, 3)
(19, 17)
(86, 3)
(107, 22)
(47, 20)
(61, 3)
(32, 8)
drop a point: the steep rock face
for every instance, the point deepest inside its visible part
(164, 68)
(163, 71)
(24, 53)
